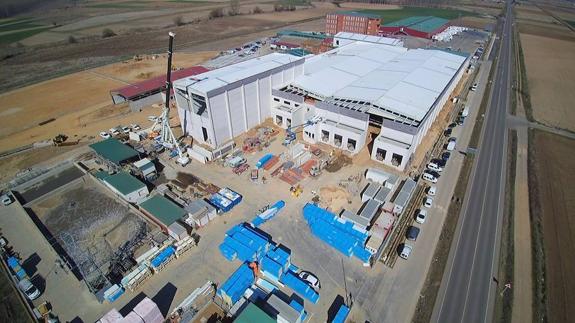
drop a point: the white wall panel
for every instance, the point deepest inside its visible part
(265, 93)
(236, 103)
(277, 79)
(219, 115)
(251, 101)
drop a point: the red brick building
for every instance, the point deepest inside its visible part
(353, 22)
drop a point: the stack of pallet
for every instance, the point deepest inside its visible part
(307, 166)
(292, 176)
(271, 162)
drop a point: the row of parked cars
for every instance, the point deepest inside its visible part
(421, 215)
(431, 174)
(118, 130)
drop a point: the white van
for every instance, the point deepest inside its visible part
(451, 145)
(434, 167)
(465, 112)
(405, 251)
(430, 178)
(29, 289)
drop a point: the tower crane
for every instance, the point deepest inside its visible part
(166, 137)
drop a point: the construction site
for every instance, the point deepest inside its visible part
(276, 181)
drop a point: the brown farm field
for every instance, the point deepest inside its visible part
(80, 102)
(553, 165)
(551, 79)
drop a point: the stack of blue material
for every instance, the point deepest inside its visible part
(244, 243)
(268, 214)
(221, 203)
(276, 262)
(234, 288)
(341, 314)
(231, 195)
(299, 308)
(291, 280)
(162, 256)
(338, 233)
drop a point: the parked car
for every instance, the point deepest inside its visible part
(114, 131)
(439, 162)
(432, 190)
(310, 279)
(126, 129)
(405, 251)
(153, 118)
(434, 167)
(460, 120)
(104, 135)
(7, 199)
(450, 146)
(29, 289)
(452, 125)
(412, 233)
(135, 127)
(428, 202)
(474, 86)
(429, 177)
(445, 156)
(420, 217)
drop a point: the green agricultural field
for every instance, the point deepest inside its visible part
(17, 26)
(123, 4)
(397, 14)
(20, 35)
(11, 308)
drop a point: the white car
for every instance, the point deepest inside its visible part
(434, 167)
(428, 202)
(310, 279)
(432, 190)
(420, 218)
(405, 251)
(429, 177)
(125, 129)
(104, 135)
(114, 131)
(152, 118)
(29, 289)
(7, 199)
(135, 127)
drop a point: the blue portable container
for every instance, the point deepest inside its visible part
(231, 195)
(263, 160)
(222, 203)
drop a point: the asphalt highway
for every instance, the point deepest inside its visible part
(470, 285)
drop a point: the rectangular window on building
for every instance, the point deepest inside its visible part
(198, 104)
(287, 102)
(396, 159)
(205, 133)
(276, 99)
(380, 154)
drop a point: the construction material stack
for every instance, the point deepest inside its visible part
(343, 235)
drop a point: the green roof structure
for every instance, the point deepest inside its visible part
(425, 24)
(163, 209)
(359, 14)
(124, 183)
(253, 314)
(113, 150)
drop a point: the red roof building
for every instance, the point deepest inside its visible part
(152, 86)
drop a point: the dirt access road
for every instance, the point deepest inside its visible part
(553, 166)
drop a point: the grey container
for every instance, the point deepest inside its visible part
(370, 191)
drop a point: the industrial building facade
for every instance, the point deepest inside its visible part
(332, 98)
(353, 22)
(416, 26)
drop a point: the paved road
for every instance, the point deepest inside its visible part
(468, 289)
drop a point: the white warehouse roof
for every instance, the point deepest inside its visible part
(220, 77)
(407, 82)
(369, 38)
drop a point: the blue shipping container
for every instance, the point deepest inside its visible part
(231, 195)
(222, 203)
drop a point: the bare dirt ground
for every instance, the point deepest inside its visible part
(476, 22)
(554, 168)
(550, 74)
(80, 102)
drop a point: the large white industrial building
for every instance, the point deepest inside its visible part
(333, 97)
